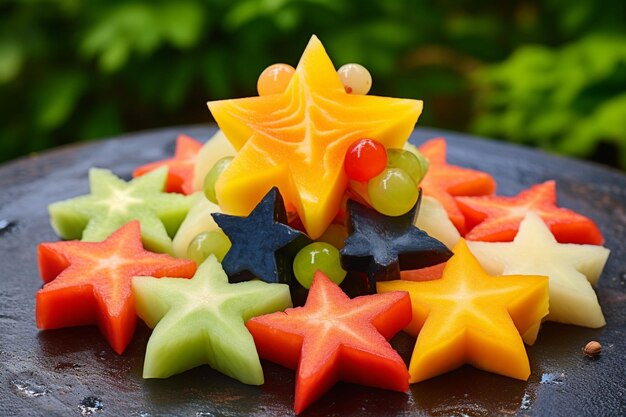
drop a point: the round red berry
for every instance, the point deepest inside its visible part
(365, 159)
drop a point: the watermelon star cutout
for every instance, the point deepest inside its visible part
(336, 338)
(443, 181)
(181, 168)
(90, 282)
(201, 321)
(572, 269)
(263, 245)
(381, 246)
(468, 316)
(114, 202)
(297, 140)
(497, 218)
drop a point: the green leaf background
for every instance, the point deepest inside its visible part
(546, 73)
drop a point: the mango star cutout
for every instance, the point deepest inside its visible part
(201, 321)
(297, 140)
(114, 202)
(572, 269)
(470, 317)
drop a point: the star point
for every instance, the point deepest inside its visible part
(468, 316)
(381, 246)
(297, 140)
(571, 268)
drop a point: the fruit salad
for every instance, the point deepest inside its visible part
(308, 232)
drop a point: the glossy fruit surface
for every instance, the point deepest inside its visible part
(90, 282)
(318, 256)
(336, 338)
(356, 78)
(393, 192)
(407, 161)
(204, 244)
(201, 321)
(212, 177)
(297, 140)
(468, 316)
(274, 79)
(365, 159)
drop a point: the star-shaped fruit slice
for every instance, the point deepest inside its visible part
(468, 316)
(381, 246)
(114, 202)
(571, 268)
(297, 140)
(90, 282)
(180, 175)
(336, 338)
(263, 245)
(443, 181)
(202, 321)
(497, 218)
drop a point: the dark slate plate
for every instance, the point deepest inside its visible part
(73, 371)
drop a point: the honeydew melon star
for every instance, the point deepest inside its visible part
(572, 269)
(297, 140)
(202, 321)
(114, 202)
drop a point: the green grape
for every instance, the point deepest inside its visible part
(335, 234)
(318, 256)
(408, 161)
(420, 157)
(213, 175)
(206, 243)
(393, 192)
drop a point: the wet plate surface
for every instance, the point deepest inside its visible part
(73, 371)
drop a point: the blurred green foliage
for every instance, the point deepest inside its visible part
(550, 73)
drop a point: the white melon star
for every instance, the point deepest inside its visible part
(572, 269)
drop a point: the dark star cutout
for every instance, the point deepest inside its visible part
(381, 246)
(263, 245)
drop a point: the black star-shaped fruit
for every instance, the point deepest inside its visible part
(263, 245)
(381, 246)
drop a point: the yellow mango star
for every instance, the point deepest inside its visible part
(470, 317)
(297, 140)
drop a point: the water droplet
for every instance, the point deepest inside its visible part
(554, 379)
(30, 389)
(204, 414)
(90, 405)
(6, 226)
(525, 405)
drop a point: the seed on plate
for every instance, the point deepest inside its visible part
(592, 349)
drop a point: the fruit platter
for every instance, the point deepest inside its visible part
(332, 260)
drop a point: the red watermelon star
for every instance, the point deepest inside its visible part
(90, 283)
(180, 177)
(336, 338)
(444, 181)
(497, 218)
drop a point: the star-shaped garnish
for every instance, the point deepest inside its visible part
(443, 181)
(497, 218)
(202, 321)
(381, 246)
(90, 283)
(114, 202)
(468, 316)
(181, 168)
(263, 245)
(336, 338)
(297, 140)
(571, 268)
